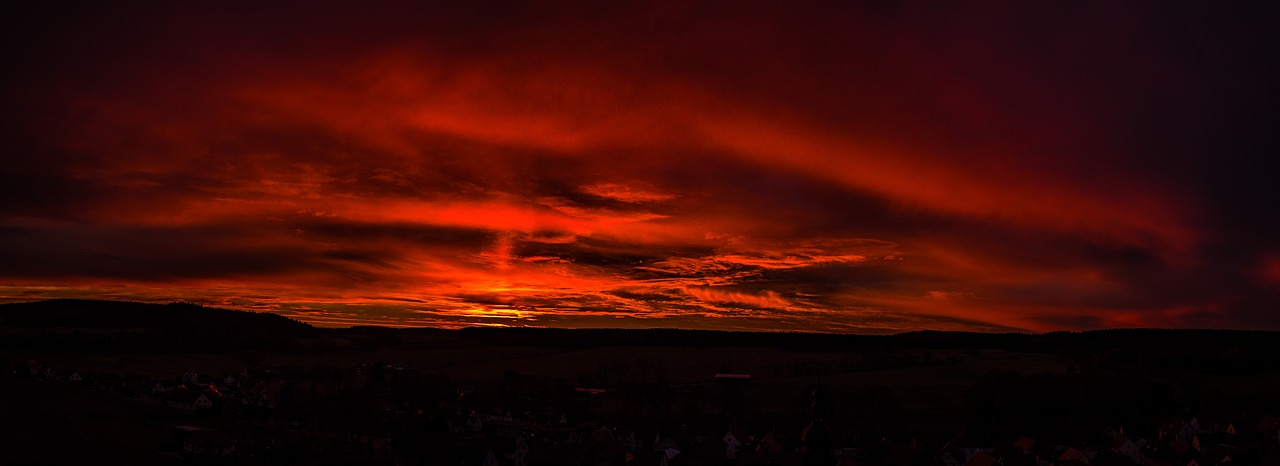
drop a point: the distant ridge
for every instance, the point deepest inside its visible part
(179, 326)
(65, 323)
(1176, 339)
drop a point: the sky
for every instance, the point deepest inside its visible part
(862, 167)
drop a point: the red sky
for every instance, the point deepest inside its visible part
(866, 167)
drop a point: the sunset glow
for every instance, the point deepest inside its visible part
(852, 169)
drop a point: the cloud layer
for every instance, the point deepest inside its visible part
(853, 168)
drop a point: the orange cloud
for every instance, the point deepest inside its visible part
(398, 95)
(865, 174)
(624, 193)
(765, 299)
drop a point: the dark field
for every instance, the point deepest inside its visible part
(924, 387)
(47, 423)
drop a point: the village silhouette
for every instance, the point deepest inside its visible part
(105, 382)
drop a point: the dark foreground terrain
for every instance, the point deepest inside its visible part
(92, 382)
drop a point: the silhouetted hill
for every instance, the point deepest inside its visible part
(1170, 351)
(85, 324)
(89, 324)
